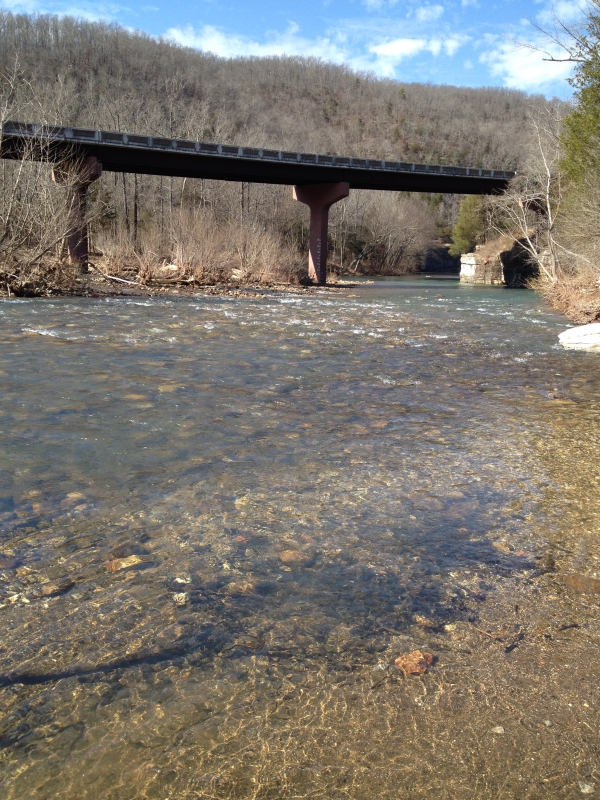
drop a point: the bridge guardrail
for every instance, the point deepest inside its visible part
(116, 139)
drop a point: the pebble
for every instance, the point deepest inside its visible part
(585, 788)
(180, 598)
(498, 729)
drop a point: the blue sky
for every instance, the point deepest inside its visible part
(461, 42)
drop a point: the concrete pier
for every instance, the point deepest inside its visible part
(76, 178)
(319, 197)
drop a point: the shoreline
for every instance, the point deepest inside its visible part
(94, 288)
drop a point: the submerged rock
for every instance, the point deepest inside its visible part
(8, 562)
(54, 588)
(583, 337)
(238, 587)
(415, 663)
(295, 557)
(116, 564)
(583, 584)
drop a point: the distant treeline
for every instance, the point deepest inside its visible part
(68, 71)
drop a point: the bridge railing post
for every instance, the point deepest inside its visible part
(76, 178)
(319, 197)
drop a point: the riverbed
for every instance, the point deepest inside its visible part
(223, 519)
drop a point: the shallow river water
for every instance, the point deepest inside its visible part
(222, 520)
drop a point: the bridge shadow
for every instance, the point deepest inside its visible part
(337, 611)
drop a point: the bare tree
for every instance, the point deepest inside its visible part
(570, 39)
(529, 210)
(35, 217)
(397, 234)
(579, 228)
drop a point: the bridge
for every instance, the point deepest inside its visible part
(80, 155)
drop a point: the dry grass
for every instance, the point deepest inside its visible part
(199, 249)
(577, 296)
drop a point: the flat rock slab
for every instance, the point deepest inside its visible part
(582, 337)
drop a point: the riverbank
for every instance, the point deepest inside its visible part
(577, 297)
(99, 286)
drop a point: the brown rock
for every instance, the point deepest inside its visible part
(424, 621)
(238, 587)
(54, 588)
(583, 584)
(415, 663)
(294, 557)
(8, 562)
(115, 564)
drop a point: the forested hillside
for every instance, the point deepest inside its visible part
(103, 76)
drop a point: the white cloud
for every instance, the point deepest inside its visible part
(453, 43)
(90, 13)
(521, 67)
(377, 5)
(374, 5)
(340, 46)
(399, 48)
(435, 47)
(211, 39)
(389, 55)
(429, 13)
(21, 6)
(381, 58)
(564, 10)
(97, 14)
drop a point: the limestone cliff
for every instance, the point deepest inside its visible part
(500, 261)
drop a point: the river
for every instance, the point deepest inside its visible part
(222, 520)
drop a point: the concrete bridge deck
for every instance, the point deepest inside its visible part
(154, 155)
(80, 155)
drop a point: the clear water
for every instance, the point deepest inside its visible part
(223, 519)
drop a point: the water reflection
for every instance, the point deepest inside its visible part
(223, 519)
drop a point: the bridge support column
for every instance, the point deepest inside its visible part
(76, 178)
(319, 197)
